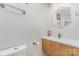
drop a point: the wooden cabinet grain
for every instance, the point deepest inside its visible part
(52, 48)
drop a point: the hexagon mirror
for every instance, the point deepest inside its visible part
(62, 17)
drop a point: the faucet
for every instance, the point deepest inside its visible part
(59, 36)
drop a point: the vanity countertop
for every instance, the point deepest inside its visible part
(71, 42)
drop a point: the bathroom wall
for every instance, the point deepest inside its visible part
(16, 28)
(71, 31)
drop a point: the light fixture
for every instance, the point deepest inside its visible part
(2, 5)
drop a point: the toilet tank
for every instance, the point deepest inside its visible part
(14, 51)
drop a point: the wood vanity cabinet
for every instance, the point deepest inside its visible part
(52, 48)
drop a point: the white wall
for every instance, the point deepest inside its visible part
(71, 31)
(17, 29)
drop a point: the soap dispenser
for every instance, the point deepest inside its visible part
(49, 33)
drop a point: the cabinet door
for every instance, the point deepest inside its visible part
(46, 46)
(57, 49)
(75, 52)
(52, 49)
